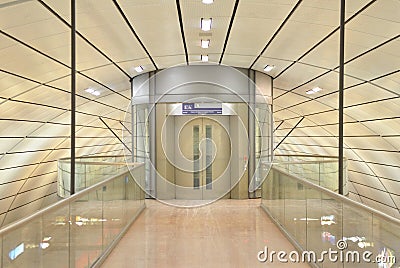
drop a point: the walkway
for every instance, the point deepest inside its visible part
(227, 233)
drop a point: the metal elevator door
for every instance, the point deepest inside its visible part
(202, 157)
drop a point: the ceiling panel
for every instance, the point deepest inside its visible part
(298, 74)
(39, 181)
(109, 76)
(247, 37)
(8, 143)
(385, 127)
(12, 85)
(51, 130)
(47, 95)
(365, 93)
(374, 194)
(241, 61)
(380, 19)
(19, 59)
(390, 82)
(383, 157)
(8, 190)
(306, 108)
(87, 57)
(279, 64)
(300, 31)
(385, 171)
(368, 180)
(377, 110)
(369, 143)
(100, 22)
(161, 16)
(28, 111)
(394, 141)
(378, 62)
(32, 144)
(353, 129)
(170, 61)
(23, 14)
(129, 66)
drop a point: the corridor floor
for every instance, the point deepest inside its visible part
(227, 233)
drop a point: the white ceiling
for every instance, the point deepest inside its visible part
(299, 37)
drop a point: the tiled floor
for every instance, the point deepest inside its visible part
(227, 233)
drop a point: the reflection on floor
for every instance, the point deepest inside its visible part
(227, 233)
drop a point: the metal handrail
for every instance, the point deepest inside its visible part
(94, 156)
(101, 163)
(63, 202)
(308, 155)
(342, 198)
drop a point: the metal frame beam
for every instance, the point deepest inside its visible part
(341, 96)
(73, 94)
(287, 135)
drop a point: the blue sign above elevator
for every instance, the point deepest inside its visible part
(201, 108)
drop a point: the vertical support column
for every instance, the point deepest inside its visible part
(73, 94)
(341, 95)
(271, 123)
(152, 142)
(72, 241)
(252, 132)
(133, 125)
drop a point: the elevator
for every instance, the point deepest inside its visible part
(204, 131)
(202, 153)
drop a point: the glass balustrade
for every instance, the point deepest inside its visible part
(88, 171)
(77, 231)
(320, 221)
(320, 170)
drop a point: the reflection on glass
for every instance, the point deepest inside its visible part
(76, 231)
(209, 156)
(196, 157)
(322, 219)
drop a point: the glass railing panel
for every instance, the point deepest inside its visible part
(86, 235)
(321, 221)
(88, 171)
(386, 239)
(329, 175)
(295, 209)
(358, 233)
(55, 240)
(21, 246)
(273, 195)
(114, 209)
(321, 170)
(316, 237)
(331, 222)
(76, 231)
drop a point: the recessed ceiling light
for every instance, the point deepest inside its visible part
(205, 43)
(268, 68)
(139, 69)
(93, 91)
(206, 24)
(89, 90)
(204, 58)
(314, 90)
(208, 1)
